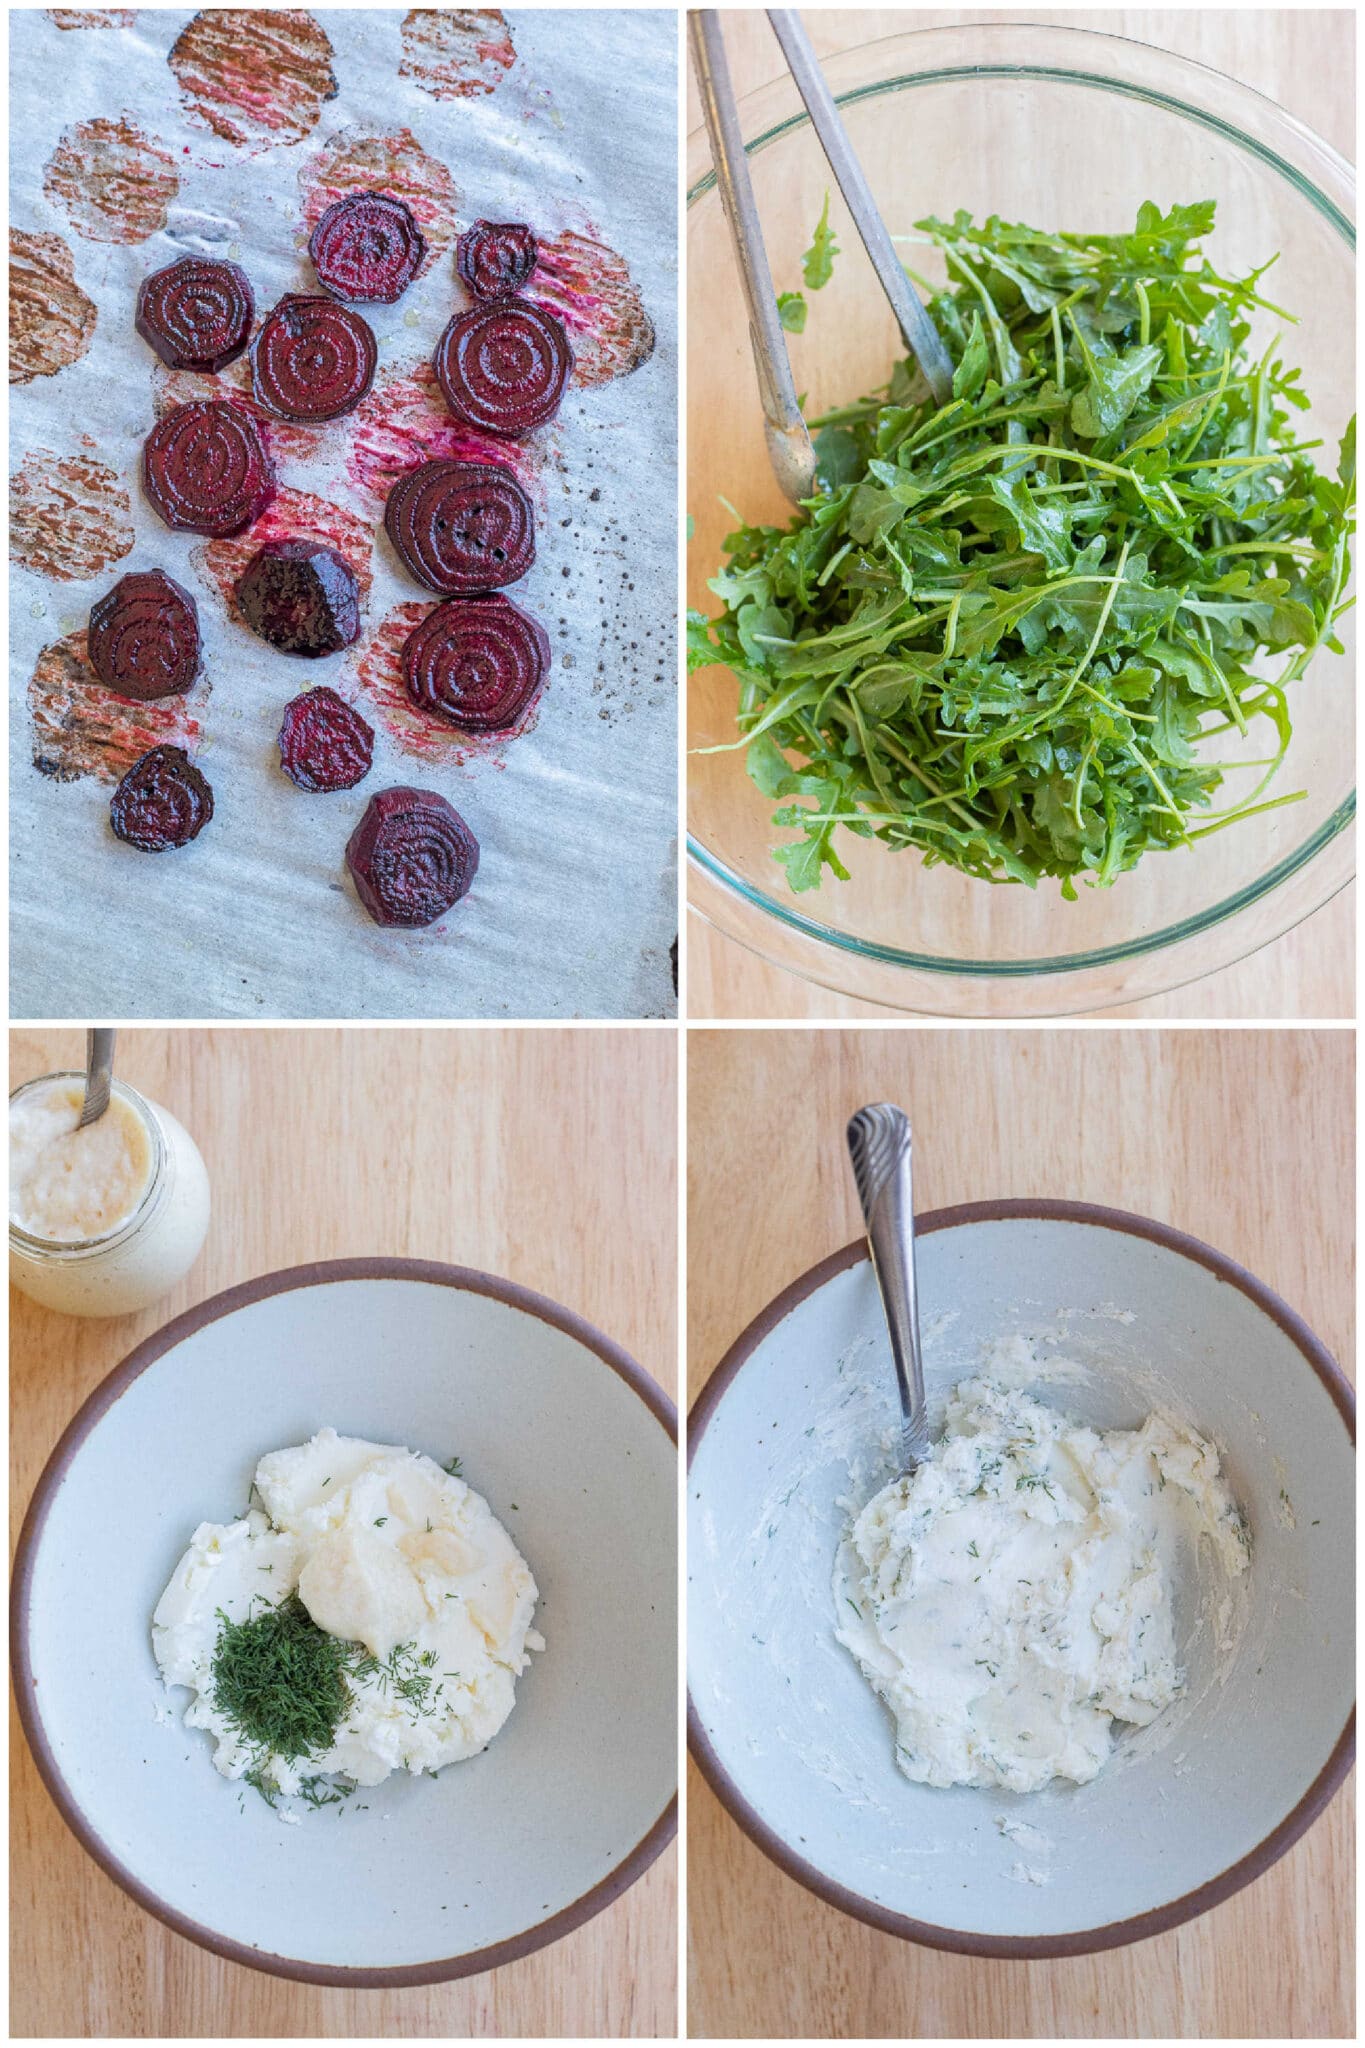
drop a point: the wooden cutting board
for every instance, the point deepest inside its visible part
(1305, 59)
(1243, 1138)
(546, 1156)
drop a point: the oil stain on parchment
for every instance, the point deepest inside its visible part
(51, 321)
(456, 53)
(80, 728)
(112, 183)
(70, 517)
(257, 77)
(590, 288)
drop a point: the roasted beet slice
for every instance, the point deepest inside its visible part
(301, 597)
(412, 856)
(196, 313)
(162, 801)
(477, 661)
(144, 637)
(462, 527)
(367, 246)
(495, 258)
(504, 367)
(324, 743)
(206, 468)
(313, 360)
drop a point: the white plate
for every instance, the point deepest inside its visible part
(574, 1448)
(788, 1731)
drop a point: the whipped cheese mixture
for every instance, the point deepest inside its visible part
(1011, 1599)
(67, 1185)
(387, 1617)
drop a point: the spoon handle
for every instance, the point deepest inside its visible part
(99, 1073)
(879, 1146)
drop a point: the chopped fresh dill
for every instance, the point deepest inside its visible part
(280, 1680)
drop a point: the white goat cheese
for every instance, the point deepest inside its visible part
(387, 1553)
(1010, 1599)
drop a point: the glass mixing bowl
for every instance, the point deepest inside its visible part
(1061, 128)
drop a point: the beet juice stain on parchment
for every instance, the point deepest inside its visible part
(111, 182)
(51, 321)
(255, 76)
(384, 694)
(294, 515)
(351, 161)
(80, 728)
(70, 517)
(589, 286)
(92, 17)
(404, 421)
(455, 53)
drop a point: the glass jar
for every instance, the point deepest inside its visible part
(143, 1256)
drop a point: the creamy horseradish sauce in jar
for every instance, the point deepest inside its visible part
(105, 1220)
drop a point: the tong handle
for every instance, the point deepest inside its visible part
(918, 332)
(789, 444)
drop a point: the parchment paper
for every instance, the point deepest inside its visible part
(574, 907)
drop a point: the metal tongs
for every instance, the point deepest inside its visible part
(789, 443)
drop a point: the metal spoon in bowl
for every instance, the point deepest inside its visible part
(879, 1146)
(99, 1074)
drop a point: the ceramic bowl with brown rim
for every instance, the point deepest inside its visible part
(422, 1878)
(800, 1420)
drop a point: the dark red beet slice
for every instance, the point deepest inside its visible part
(477, 661)
(301, 597)
(367, 246)
(313, 360)
(196, 313)
(144, 637)
(324, 744)
(412, 856)
(207, 469)
(504, 367)
(162, 801)
(495, 258)
(462, 527)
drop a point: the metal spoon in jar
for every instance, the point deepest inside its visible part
(99, 1074)
(879, 1146)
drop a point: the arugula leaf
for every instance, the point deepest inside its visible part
(971, 372)
(817, 265)
(1115, 384)
(791, 311)
(1036, 632)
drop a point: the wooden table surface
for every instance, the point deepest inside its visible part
(321, 1144)
(1244, 1138)
(1305, 59)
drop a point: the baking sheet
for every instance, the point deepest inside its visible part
(139, 136)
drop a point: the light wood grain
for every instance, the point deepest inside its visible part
(545, 1156)
(1246, 1139)
(1305, 59)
